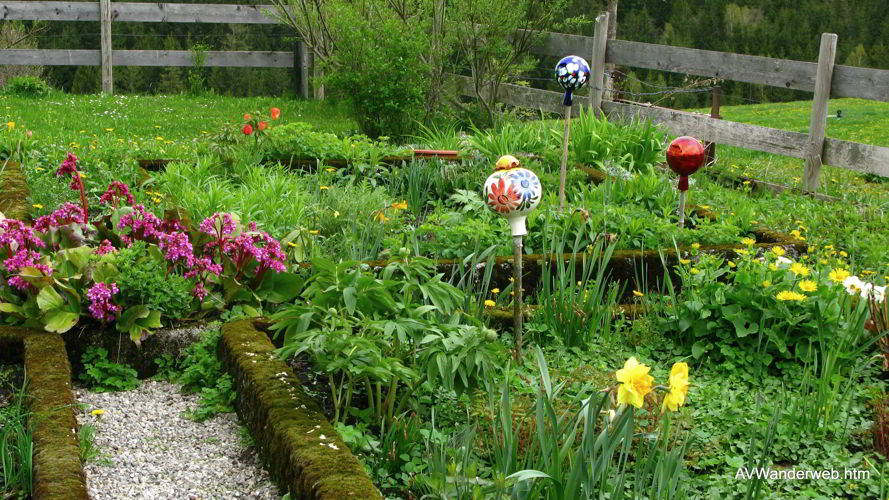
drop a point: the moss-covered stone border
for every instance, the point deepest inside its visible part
(58, 471)
(14, 191)
(300, 448)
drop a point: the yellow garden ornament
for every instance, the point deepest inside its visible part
(507, 162)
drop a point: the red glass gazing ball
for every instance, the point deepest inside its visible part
(685, 155)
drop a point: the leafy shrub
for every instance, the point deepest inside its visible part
(636, 145)
(102, 375)
(143, 280)
(26, 86)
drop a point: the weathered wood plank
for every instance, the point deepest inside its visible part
(597, 60)
(236, 59)
(782, 73)
(818, 120)
(525, 97)
(107, 66)
(63, 57)
(703, 127)
(136, 12)
(561, 45)
(864, 83)
(864, 158)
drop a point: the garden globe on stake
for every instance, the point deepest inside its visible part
(513, 192)
(685, 155)
(572, 73)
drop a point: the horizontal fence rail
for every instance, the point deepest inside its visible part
(91, 57)
(137, 12)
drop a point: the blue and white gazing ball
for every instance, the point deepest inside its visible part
(572, 72)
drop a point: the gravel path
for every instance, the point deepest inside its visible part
(149, 451)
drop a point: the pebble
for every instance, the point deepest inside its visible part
(149, 451)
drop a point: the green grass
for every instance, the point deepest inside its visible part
(863, 121)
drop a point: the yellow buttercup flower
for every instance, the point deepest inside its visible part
(323, 188)
(490, 303)
(694, 270)
(742, 251)
(684, 261)
(37, 205)
(495, 291)
(795, 233)
(773, 267)
(789, 295)
(637, 293)
(843, 254)
(824, 261)
(97, 412)
(314, 231)
(635, 383)
(808, 285)
(678, 387)
(799, 269)
(748, 241)
(731, 264)
(10, 125)
(696, 245)
(330, 169)
(838, 275)
(778, 251)
(766, 284)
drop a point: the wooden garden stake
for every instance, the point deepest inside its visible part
(685, 155)
(513, 192)
(572, 73)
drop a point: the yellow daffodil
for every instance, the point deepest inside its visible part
(778, 251)
(637, 293)
(490, 303)
(314, 231)
(635, 383)
(696, 245)
(789, 295)
(97, 412)
(37, 205)
(808, 285)
(766, 284)
(495, 291)
(799, 269)
(838, 275)
(748, 241)
(678, 387)
(401, 205)
(684, 262)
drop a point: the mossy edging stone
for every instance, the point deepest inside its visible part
(14, 191)
(302, 451)
(58, 471)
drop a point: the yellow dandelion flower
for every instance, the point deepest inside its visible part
(314, 231)
(38, 169)
(330, 170)
(109, 130)
(637, 293)
(808, 285)
(684, 261)
(843, 254)
(696, 245)
(824, 261)
(773, 267)
(156, 199)
(742, 251)
(788, 295)
(766, 284)
(159, 138)
(97, 412)
(490, 303)
(495, 291)
(838, 275)
(778, 251)
(731, 264)
(694, 270)
(323, 188)
(10, 125)
(799, 269)
(748, 241)
(37, 205)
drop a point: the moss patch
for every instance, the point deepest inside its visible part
(58, 472)
(302, 451)
(14, 192)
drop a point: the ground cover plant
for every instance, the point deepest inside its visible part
(759, 359)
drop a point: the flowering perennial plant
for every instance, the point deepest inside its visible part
(101, 307)
(69, 167)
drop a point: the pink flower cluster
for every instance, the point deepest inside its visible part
(117, 190)
(143, 225)
(69, 213)
(177, 248)
(15, 235)
(101, 306)
(201, 270)
(22, 259)
(68, 167)
(105, 247)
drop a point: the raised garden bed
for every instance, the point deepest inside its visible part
(58, 472)
(303, 452)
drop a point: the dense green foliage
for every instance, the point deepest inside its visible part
(103, 375)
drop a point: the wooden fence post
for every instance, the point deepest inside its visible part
(597, 83)
(318, 74)
(105, 19)
(714, 113)
(612, 34)
(818, 123)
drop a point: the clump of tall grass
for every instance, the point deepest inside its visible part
(636, 145)
(16, 449)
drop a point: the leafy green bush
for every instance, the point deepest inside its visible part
(102, 375)
(26, 86)
(201, 371)
(636, 145)
(143, 280)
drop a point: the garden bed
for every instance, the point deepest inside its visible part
(303, 452)
(58, 472)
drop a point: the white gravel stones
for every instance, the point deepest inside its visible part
(149, 451)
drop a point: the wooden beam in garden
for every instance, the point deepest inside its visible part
(136, 12)
(818, 122)
(597, 79)
(105, 15)
(184, 58)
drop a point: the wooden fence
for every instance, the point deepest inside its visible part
(107, 12)
(824, 79)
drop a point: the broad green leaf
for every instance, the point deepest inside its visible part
(49, 299)
(59, 321)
